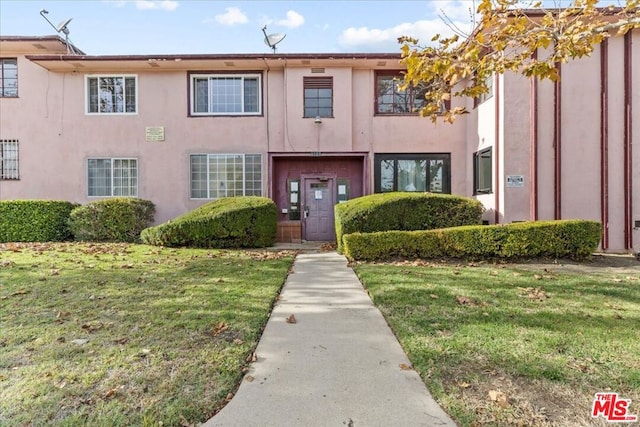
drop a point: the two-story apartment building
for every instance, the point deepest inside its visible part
(311, 130)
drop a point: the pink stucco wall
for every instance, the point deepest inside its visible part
(57, 137)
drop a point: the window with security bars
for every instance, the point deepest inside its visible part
(318, 97)
(391, 100)
(225, 94)
(111, 94)
(9, 159)
(225, 175)
(8, 77)
(111, 177)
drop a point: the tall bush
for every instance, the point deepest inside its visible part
(231, 222)
(404, 211)
(34, 220)
(118, 219)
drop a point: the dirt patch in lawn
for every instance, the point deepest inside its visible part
(500, 399)
(597, 264)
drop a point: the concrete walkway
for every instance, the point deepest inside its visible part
(338, 365)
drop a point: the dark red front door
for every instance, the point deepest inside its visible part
(317, 218)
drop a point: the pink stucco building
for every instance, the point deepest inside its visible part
(311, 130)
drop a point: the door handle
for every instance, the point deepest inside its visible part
(306, 212)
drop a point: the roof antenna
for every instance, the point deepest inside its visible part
(272, 40)
(62, 27)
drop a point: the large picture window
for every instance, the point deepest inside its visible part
(482, 172)
(108, 177)
(8, 77)
(225, 94)
(111, 94)
(413, 172)
(225, 175)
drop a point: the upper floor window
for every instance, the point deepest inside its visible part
(484, 96)
(109, 177)
(225, 94)
(318, 97)
(8, 77)
(9, 159)
(390, 99)
(482, 172)
(112, 94)
(413, 172)
(225, 175)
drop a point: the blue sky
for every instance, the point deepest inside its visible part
(106, 27)
(201, 26)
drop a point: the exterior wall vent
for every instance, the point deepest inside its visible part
(317, 70)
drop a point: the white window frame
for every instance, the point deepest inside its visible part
(244, 173)
(209, 76)
(111, 184)
(9, 159)
(112, 76)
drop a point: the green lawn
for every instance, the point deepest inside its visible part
(504, 345)
(115, 334)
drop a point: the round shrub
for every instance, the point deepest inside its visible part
(118, 219)
(35, 220)
(404, 211)
(231, 222)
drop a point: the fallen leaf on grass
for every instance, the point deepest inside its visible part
(110, 393)
(253, 357)
(238, 341)
(291, 319)
(92, 327)
(184, 422)
(465, 301)
(534, 293)
(433, 296)
(499, 397)
(464, 385)
(219, 328)
(20, 292)
(121, 341)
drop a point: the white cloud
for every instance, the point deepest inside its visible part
(233, 16)
(169, 5)
(455, 12)
(293, 20)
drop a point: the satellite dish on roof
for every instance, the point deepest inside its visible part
(62, 26)
(272, 40)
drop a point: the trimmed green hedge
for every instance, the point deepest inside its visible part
(35, 220)
(404, 211)
(117, 219)
(231, 222)
(574, 239)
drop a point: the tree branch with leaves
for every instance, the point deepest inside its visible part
(528, 41)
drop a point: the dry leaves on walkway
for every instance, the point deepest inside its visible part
(291, 319)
